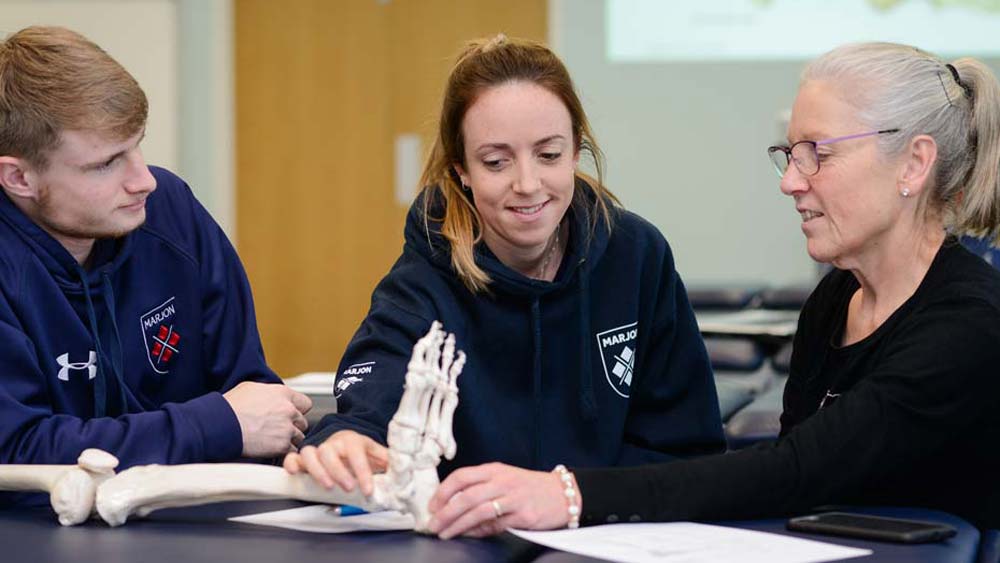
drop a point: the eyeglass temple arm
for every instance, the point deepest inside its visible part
(856, 136)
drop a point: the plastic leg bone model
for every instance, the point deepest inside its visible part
(419, 433)
(72, 488)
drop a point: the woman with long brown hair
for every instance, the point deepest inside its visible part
(581, 345)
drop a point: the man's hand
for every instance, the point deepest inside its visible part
(271, 417)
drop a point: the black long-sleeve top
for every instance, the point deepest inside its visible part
(911, 416)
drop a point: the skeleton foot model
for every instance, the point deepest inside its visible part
(72, 488)
(418, 435)
(420, 432)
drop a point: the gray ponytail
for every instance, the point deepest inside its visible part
(979, 213)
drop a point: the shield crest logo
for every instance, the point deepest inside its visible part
(618, 349)
(351, 375)
(160, 337)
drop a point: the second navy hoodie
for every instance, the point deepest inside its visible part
(602, 366)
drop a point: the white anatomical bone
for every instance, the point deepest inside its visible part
(145, 488)
(71, 488)
(419, 433)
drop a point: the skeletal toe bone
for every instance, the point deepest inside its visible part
(447, 438)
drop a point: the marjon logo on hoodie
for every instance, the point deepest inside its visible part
(158, 334)
(351, 375)
(617, 347)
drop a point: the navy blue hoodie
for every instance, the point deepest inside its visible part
(602, 366)
(131, 355)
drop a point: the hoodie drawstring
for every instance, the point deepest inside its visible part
(588, 404)
(116, 342)
(536, 369)
(100, 381)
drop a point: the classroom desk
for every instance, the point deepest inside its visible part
(203, 534)
(197, 534)
(963, 548)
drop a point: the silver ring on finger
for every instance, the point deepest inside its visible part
(497, 509)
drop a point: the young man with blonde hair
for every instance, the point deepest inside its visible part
(126, 319)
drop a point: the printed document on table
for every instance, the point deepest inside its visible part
(686, 542)
(321, 519)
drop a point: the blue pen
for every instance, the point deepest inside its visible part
(348, 510)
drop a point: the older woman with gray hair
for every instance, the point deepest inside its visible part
(892, 396)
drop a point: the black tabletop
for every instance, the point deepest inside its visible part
(203, 534)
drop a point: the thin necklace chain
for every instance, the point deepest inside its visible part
(548, 255)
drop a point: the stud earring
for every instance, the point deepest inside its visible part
(905, 192)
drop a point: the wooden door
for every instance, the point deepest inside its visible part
(323, 88)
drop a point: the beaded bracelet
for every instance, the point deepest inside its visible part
(571, 497)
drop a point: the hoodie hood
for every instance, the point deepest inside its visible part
(588, 238)
(89, 291)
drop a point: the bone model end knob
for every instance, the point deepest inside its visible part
(72, 497)
(97, 461)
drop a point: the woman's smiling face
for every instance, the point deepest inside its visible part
(520, 163)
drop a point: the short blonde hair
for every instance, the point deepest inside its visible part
(53, 79)
(481, 65)
(957, 104)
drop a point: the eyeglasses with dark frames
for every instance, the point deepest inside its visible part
(804, 153)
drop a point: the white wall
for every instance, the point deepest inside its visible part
(685, 145)
(180, 52)
(207, 153)
(141, 35)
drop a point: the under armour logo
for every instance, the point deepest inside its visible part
(165, 344)
(64, 366)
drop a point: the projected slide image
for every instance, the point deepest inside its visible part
(694, 30)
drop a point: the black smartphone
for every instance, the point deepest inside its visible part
(867, 527)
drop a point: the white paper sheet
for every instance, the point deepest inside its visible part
(753, 322)
(313, 382)
(321, 519)
(685, 542)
